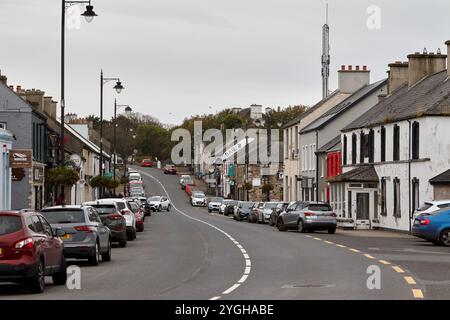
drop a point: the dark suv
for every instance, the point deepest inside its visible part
(30, 250)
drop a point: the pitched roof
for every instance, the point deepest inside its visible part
(430, 97)
(444, 177)
(335, 94)
(345, 105)
(330, 145)
(360, 174)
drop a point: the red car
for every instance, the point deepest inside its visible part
(147, 163)
(170, 169)
(30, 250)
(138, 214)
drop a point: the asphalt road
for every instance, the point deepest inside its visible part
(190, 254)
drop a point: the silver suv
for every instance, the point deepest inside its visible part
(308, 216)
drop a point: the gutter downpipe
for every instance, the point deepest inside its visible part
(317, 166)
(409, 177)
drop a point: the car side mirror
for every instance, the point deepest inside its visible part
(58, 232)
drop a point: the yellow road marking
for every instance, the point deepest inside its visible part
(368, 256)
(384, 262)
(354, 250)
(329, 242)
(317, 239)
(418, 294)
(341, 246)
(410, 280)
(398, 269)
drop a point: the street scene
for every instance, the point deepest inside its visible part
(143, 169)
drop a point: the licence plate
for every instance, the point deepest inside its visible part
(416, 223)
(66, 237)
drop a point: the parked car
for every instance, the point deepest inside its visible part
(147, 163)
(30, 249)
(281, 207)
(159, 203)
(187, 181)
(111, 217)
(434, 227)
(170, 169)
(198, 198)
(136, 189)
(134, 176)
(256, 211)
(229, 207)
(431, 206)
(243, 210)
(224, 205)
(214, 204)
(138, 213)
(145, 205)
(264, 214)
(308, 216)
(184, 176)
(86, 236)
(129, 216)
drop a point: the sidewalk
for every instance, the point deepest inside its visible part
(373, 233)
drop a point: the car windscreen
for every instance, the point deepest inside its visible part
(425, 206)
(134, 207)
(270, 205)
(104, 208)
(232, 203)
(121, 205)
(134, 178)
(154, 199)
(216, 200)
(63, 216)
(9, 224)
(247, 205)
(199, 195)
(319, 207)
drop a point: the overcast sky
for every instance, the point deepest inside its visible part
(181, 57)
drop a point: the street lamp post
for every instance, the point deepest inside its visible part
(128, 111)
(119, 89)
(89, 15)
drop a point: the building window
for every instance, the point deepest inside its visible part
(415, 194)
(383, 197)
(375, 205)
(3, 125)
(396, 151)
(415, 140)
(345, 151)
(397, 212)
(362, 147)
(383, 144)
(353, 148)
(371, 146)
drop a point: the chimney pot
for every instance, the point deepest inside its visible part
(343, 68)
(350, 67)
(357, 68)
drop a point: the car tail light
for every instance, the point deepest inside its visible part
(83, 228)
(26, 244)
(126, 212)
(116, 216)
(309, 214)
(425, 222)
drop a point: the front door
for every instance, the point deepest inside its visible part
(362, 210)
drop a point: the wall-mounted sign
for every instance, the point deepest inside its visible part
(38, 175)
(20, 158)
(70, 164)
(256, 182)
(17, 174)
(76, 159)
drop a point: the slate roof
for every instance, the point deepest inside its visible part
(330, 145)
(428, 97)
(360, 174)
(442, 178)
(345, 105)
(297, 119)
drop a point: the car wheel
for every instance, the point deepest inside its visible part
(332, 230)
(168, 208)
(130, 235)
(60, 278)
(123, 242)
(444, 239)
(209, 210)
(280, 225)
(93, 259)
(159, 209)
(271, 222)
(107, 256)
(301, 226)
(37, 283)
(134, 234)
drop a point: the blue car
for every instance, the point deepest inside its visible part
(434, 228)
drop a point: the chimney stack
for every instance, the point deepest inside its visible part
(351, 80)
(50, 107)
(448, 52)
(424, 64)
(398, 75)
(3, 79)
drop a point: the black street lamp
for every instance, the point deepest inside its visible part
(89, 14)
(128, 111)
(118, 87)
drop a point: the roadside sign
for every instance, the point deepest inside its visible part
(20, 158)
(76, 159)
